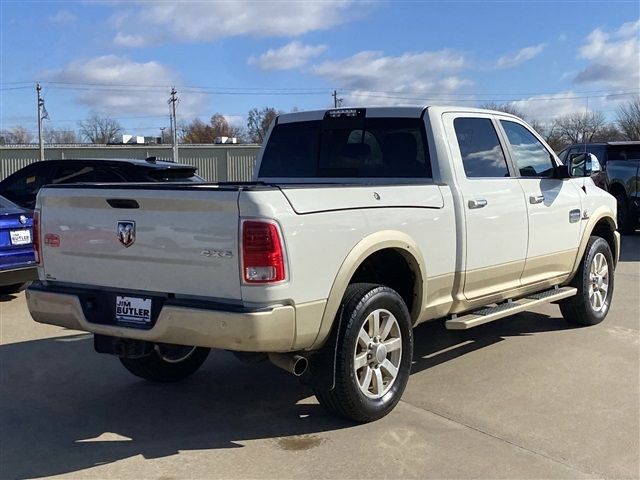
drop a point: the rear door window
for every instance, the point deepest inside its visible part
(347, 148)
(624, 152)
(480, 148)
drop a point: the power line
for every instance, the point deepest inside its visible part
(287, 90)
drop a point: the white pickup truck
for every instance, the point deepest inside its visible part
(361, 224)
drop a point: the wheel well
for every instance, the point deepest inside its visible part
(604, 229)
(395, 269)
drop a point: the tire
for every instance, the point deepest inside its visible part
(590, 305)
(359, 395)
(626, 224)
(167, 363)
(9, 289)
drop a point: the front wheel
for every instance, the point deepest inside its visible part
(594, 281)
(374, 354)
(167, 363)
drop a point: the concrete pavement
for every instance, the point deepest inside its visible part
(523, 397)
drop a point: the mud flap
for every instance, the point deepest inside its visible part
(321, 373)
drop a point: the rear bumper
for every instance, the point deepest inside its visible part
(269, 330)
(18, 275)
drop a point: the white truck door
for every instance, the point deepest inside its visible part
(495, 214)
(554, 206)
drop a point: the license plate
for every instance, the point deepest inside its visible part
(20, 237)
(133, 310)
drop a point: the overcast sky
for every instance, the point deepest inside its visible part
(121, 58)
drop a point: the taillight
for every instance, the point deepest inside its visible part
(36, 237)
(262, 252)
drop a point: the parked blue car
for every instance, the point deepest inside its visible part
(17, 260)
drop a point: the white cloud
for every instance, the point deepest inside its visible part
(63, 17)
(370, 77)
(614, 58)
(523, 55)
(291, 55)
(544, 108)
(116, 86)
(153, 23)
(237, 121)
(129, 40)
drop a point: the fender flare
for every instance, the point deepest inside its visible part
(359, 253)
(601, 213)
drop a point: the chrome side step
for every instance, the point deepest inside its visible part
(510, 307)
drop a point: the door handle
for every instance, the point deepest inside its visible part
(536, 199)
(477, 203)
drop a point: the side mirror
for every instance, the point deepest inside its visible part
(583, 165)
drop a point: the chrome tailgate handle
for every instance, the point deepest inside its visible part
(477, 203)
(536, 199)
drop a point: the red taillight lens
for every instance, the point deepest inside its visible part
(36, 237)
(262, 253)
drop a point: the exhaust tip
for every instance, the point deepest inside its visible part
(300, 366)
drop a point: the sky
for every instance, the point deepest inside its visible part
(120, 59)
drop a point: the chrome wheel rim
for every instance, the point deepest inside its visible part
(174, 353)
(377, 354)
(598, 283)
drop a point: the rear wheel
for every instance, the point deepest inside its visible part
(594, 281)
(167, 363)
(374, 354)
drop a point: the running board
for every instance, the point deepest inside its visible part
(510, 307)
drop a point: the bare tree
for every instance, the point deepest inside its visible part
(258, 122)
(98, 129)
(63, 135)
(628, 118)
(18, 134)
(580, 127)
(504, 107)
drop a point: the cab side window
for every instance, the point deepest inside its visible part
(480, 148)
(531, 157)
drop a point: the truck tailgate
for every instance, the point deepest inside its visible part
(180, 241)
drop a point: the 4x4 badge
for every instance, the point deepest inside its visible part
(127, 232)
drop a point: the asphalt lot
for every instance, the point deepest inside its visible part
(523, 397)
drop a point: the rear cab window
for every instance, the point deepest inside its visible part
(347, 147)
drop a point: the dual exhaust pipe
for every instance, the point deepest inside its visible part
(295, 364)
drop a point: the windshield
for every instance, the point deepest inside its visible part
(347, 148)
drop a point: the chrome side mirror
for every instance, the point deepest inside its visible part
(583, 165)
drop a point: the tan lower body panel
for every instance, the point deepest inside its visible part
(540, 268)
(263, 331)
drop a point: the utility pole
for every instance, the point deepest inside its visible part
(174, 126)
(40, 118)
(336, 100)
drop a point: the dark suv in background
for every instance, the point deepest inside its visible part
(619, 175)
(22, 186)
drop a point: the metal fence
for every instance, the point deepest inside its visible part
(216, 163)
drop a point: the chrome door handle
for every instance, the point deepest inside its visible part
(536, 199)
(478, 203)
